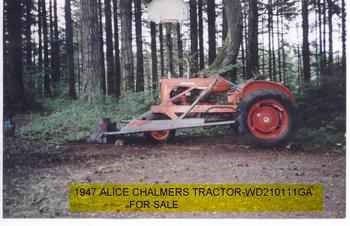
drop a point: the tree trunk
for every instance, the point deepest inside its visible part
(40, 45)
(127, 64)
(269, 27)
(243, 46)
(274, 71)
(139, 54)
(194, 36)
(306, 50)
(70, 49)
(224, 23)
(330, 32)
(200, 34)
(211, 31)
(52, 53)
(263, 47)
(53, 44)
(324, 11)
(161, 50)
(56, 46)
(47, 88)
(180, 49)
(343, 33)
(300, 69)
(91, 52)
(320, 44)
(228, 54)
(278, 42)
(116, 48)
(13, 77)
(283, 48)
(111, 81)
(102, 59)
(253, 47)
(154, 56)
(28, 32)
(169, 45)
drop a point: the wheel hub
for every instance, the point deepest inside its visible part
(267, 119)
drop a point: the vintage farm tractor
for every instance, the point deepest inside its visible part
(263, 110)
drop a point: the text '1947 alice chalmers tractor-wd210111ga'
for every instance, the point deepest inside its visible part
(262, 110)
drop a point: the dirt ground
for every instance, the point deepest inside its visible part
(36, 177)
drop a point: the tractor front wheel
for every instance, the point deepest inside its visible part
(159, 136)
(268, 117)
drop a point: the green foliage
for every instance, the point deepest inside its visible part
(322, 111)
(326, 136)
(70, 120)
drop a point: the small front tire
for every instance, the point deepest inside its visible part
(160, 136)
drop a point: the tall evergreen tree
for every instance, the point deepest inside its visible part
(320, 43)
(101, 42)
(47, 83)
(154, 55)
(200, 34)
(180, 49)
(116, 48)
(40, 45)
(126, 61)
(139, 54)
(194, 36)
(252, 47)
(111, 81)
(70, 49)
(28, 31)
(330, 32)
(343, 32)
(211, 30)
(161, 49)
(56, 44)
(228, 54)
(269, 28)
(305, 49)
(169, 45)
(91, 52)
(224, 23)
(13, 77)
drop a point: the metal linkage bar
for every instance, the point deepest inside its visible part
(203, 93)
(157, 125)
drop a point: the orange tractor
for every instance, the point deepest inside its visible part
(263, 110)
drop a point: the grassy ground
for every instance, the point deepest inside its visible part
(67, 120)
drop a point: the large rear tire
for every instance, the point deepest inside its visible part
(267, 117)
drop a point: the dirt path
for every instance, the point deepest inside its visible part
(36, 178)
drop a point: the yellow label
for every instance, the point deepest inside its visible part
(195, 197)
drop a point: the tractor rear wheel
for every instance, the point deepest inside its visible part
(267, 117)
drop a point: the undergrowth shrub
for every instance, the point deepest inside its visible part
(67, 120)
(322, 114)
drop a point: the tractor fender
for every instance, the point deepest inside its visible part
(253, 86)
